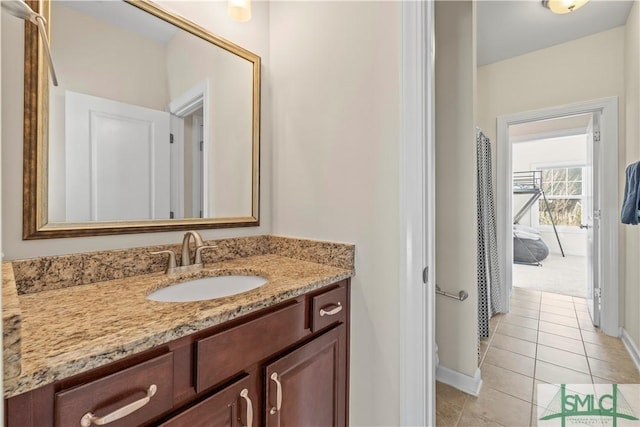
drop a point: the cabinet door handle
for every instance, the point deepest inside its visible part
(89, 418)
(274, 378)
(337, 309)
(245, 394)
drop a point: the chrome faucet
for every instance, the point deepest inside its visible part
(186, 254)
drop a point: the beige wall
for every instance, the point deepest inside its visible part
(99, 59)
(585, 69)
(96, 58)
(336, 128)
(558, 75)
(456, 230)
(631, 295)
(192, 61)
(253, 35)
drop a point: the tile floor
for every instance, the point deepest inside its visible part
(546, 338)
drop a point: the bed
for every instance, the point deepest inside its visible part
(528, 246)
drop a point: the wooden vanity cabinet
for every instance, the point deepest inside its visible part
(285, 365)
(233, 406)
(307, 387)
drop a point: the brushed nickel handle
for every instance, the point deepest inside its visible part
(89, 418)
(172, 258)
(245, 394)
(198, 259)
(275, 409)
(336, 310)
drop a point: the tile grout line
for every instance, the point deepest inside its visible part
(491, 345)
(535, 364)
(466, 398)
(586, 355)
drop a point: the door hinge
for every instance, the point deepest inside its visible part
(597, 292)
(596, 136)
(201, 145)
(425, 275)
(200, 214)
(171, 215)
(170, 138)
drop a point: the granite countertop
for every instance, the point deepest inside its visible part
(70, 330)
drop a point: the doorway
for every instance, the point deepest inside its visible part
(190, 183)
(551, 199)
(581, 225)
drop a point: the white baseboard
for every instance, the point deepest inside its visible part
(469, 384)
(631, 347)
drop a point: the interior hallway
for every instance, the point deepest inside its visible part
(547, 338)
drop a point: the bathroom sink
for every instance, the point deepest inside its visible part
(207, 288)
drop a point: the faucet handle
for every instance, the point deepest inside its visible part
(172, 258)
(199, 250)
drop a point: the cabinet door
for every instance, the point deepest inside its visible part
(308, 387)
(232, 406)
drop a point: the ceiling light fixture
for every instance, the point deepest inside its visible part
(20, 9)
(563, 6)
(239, 10)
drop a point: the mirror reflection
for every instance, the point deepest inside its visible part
(149, 121)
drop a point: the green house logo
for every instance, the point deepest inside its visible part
(604, 408)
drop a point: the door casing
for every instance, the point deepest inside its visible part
(417, 216)
(608, 161)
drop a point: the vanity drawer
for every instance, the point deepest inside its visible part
(130, 388)
(229, 352)
(328, 308)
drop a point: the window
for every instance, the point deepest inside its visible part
(563, 188)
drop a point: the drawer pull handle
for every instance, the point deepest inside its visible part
(89, 418)
(337, 309)
(275, 409)
(245, 394)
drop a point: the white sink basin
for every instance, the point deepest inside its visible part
(207, 288)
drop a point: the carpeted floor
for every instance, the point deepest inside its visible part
(560, 275)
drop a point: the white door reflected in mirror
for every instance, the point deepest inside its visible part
(119, 162)
(133, 83)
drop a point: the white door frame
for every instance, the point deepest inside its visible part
(416, 212)
(198, 185)
(182, 106)
(608, 274)
(177, 166)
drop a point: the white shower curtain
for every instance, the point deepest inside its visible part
(489, 287)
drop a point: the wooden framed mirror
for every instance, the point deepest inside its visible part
(155, 124)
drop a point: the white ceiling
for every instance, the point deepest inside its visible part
(509, 28)
(127, 17)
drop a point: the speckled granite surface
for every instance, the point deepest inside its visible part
(126, 323)
(56, 272)
(11, 324)
(335, 254)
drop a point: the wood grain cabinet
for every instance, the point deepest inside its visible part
(286, 365)
(233, 406)
(307, 387)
